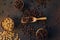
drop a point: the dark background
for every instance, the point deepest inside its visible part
(52, 12)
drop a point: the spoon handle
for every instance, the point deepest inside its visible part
(42, 18)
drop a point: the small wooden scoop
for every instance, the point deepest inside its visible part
(34, 19)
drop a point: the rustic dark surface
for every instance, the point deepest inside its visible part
(52, 12)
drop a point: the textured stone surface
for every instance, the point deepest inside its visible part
(52, 12)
